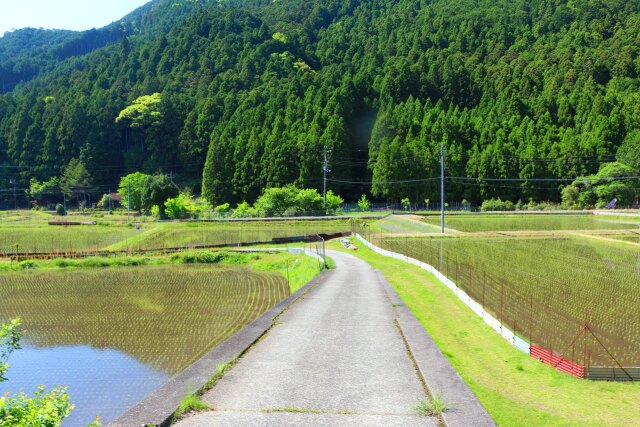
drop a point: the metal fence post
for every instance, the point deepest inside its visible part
(530, 319)
(501, 301)
(484, 285)
(447, 263)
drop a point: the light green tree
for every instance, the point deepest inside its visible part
(308, 200)
(364, 203)
(275, 201)
(142, 113)
(244, 210)
(334, 202)
(157, 190)
(75, 178)
(406, 203)
(40, 191)
(613, 180)
(132, 185)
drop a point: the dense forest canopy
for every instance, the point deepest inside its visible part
(233, 97)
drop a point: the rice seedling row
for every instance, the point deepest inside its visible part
(545, 289)
(165, 316)
(189, 235)
(43, 239)
(513, 222)
(17, 240)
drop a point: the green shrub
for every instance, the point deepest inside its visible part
(307, 201)
(157, 190)
(132, 185)
(60, 210)
(130, 262)
(570, 197)
(190, 403)
(43, 409)
(276, 201)
(406, 203)
(28, 265)
(64, 263)
(95, 262)
(210, 257)
(176, 208)
(542, 206)
(244, 210)
(493, 205)
(223, 208)
(334, 202)
(290, 200)
(363, 203)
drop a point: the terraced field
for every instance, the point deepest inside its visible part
(34, 235)
(189, 235)
(634, 238)
(406, 224)
(511, 222)
(544, 288)
(147, 312)
(59, 240)
(543, 275)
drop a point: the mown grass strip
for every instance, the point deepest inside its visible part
(515, 388)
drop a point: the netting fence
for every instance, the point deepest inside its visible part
(582, 339)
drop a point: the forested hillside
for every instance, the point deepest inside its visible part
(233, 97)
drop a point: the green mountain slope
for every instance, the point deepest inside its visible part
(251, 92)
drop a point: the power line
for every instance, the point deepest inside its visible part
(469, 181)
(593, 178)
(471, 184)
(407, 181)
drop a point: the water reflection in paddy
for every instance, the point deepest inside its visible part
(91, 374)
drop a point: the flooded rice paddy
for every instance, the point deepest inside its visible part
(113, 335)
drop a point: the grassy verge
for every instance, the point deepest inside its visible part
(193, 402)
(301, 269)
(190, 403)
(515, 388)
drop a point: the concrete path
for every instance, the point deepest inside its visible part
(335, 357)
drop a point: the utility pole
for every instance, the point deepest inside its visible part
(638, 268)
(325, 169)
(128, 203)
(442, 187)
(15, 203)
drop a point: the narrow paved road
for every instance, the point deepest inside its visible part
(335, 357)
